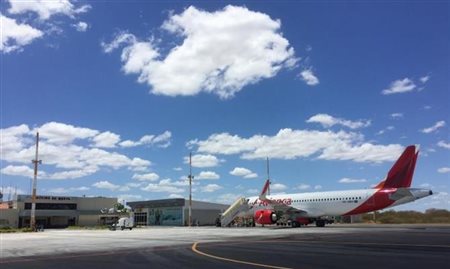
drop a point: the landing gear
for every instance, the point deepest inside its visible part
(295, 224)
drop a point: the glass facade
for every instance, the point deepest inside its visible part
(171, 216)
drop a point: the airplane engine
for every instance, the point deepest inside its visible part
(265, 217)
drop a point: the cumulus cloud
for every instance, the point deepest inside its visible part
(15, 35)
(161, 141)
(243, 172)
(201, 161)
(443, 144)
(146, 177)
(351, 180)
(433, 128)
(400, 86)
(221, 52)
(71, 151)
(277, 187)
(327, 121)
(291, 144)
(106, 140)
(105, 185)
(81, 26)
(207, 175)
(210, 188)
(444, 170)
(309, 78)
(303, 186)
(45, 9)
(166, 185)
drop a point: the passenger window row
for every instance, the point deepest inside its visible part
(327, 199)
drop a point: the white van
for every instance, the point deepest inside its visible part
(123, 223)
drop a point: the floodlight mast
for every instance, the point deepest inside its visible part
(33, 195)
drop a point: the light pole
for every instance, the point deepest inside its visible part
(33, 195)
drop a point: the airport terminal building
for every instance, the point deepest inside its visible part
(56, 211)
(175, 212)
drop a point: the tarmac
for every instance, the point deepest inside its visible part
(335, 246)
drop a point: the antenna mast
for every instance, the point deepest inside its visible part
(33, 195)
(190, 189)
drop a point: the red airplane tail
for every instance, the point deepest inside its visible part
(401, 173)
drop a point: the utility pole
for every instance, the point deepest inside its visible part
(33, 195)
(190, 189)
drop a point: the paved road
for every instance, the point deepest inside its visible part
(368, 248)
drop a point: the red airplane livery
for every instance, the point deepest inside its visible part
(304, 208)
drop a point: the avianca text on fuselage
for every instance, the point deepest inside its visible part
(392, 191)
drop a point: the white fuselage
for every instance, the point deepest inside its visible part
(336, 203)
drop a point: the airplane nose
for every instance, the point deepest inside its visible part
(431, 192)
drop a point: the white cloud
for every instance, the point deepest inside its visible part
(433, 128)
(67, 190)
(207, 175)
(243, 172)
(443, 144)
(106, 140)
(444, 170)
(277, 187)
(201, 161)
(389, 128)
(45, 9)
(19, 170)
(400, 86)
(174, 195)
(162, 141)
(81, 26)
(106, 185)
(146, 177)
(65, 148)
(424, 79)
(178, 169)
(166, 185)
(210, 188)
(317, 187)
(291, 144)
(227, 198)
(309, 78)
(221, 52)
(61, 133)
(15, 36)
(351, 180)
(397, 115)
(327, 121)
(303, 186)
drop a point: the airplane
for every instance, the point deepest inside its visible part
(303, 208)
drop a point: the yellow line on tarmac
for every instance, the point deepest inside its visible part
(194, 248)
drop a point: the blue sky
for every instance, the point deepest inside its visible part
(121, 92)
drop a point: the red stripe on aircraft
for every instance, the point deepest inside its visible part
(377, 201)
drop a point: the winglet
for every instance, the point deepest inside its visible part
(265, 189)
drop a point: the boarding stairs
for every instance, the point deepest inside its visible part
(240, 205)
